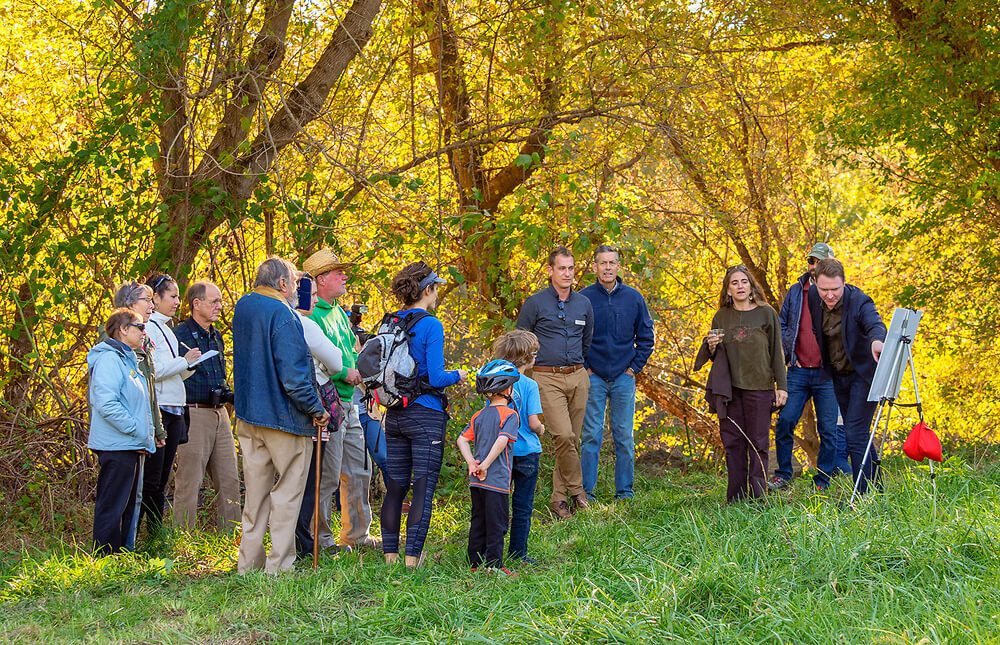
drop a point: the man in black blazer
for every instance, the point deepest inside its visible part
(850, 334)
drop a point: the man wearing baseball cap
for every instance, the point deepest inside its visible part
(806, 379)
(345, 461)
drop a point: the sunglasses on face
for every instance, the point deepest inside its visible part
(139, 326)
(811, 260)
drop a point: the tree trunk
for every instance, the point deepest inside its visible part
(669, 401)
(200, 200)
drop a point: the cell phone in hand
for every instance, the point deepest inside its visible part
(305, 292)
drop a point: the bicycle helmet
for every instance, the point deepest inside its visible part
(496, 376)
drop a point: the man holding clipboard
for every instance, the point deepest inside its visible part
(210, 447)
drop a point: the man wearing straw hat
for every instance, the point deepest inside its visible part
(345, 462)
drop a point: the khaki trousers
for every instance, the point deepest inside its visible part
(346, 465)
(268, 453)
(210, 448)
(564, 404)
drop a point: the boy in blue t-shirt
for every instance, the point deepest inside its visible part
(519, 347)
(485, 445)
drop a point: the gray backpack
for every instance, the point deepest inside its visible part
(387, 369)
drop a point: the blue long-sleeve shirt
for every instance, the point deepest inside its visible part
(623, 330)
(427, 350)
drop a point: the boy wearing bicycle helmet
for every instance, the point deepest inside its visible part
(485, 445)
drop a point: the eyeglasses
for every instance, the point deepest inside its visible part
(562, 310)
(139, 326)
(159, 281)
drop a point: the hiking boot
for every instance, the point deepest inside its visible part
(561, 510)
(777, 483)
(580, 501)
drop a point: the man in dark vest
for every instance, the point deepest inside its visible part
(850, 334)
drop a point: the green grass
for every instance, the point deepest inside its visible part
(673, 564)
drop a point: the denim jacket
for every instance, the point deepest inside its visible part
(272, 368)
(120, 416)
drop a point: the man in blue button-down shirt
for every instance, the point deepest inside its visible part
(623, 342)
(563, 321)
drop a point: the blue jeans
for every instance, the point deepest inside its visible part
(852, 395)
(805, 383)
(620, 392)
(524, 478)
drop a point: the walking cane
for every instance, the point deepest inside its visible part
(315, 523)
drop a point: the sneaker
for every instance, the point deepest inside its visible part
(777, 483)
(822, 488)
(530, 561)
(503, 572)
(474, 569)
(335, 550)
(581, 503)
(370, 542)
(561, 510)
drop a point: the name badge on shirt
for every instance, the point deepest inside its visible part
(582, 323)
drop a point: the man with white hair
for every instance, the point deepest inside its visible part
(277, 410)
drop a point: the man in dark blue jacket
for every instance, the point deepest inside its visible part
(622, 343)
(850, 334)
(806, 380)
(277, 410)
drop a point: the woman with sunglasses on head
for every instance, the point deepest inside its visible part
(748, 330)
(414, 433)
(138, 298)
(121, 430)
(171, 365)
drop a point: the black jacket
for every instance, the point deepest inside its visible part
(861, 325)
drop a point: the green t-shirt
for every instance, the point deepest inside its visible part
(337, 327)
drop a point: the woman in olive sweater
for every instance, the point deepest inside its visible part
(749, 329)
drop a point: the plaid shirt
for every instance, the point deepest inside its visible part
(209, 375)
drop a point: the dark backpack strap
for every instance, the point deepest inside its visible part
(411, 319)
(408, 322)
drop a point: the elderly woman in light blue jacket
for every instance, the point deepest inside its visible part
(121, 430)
